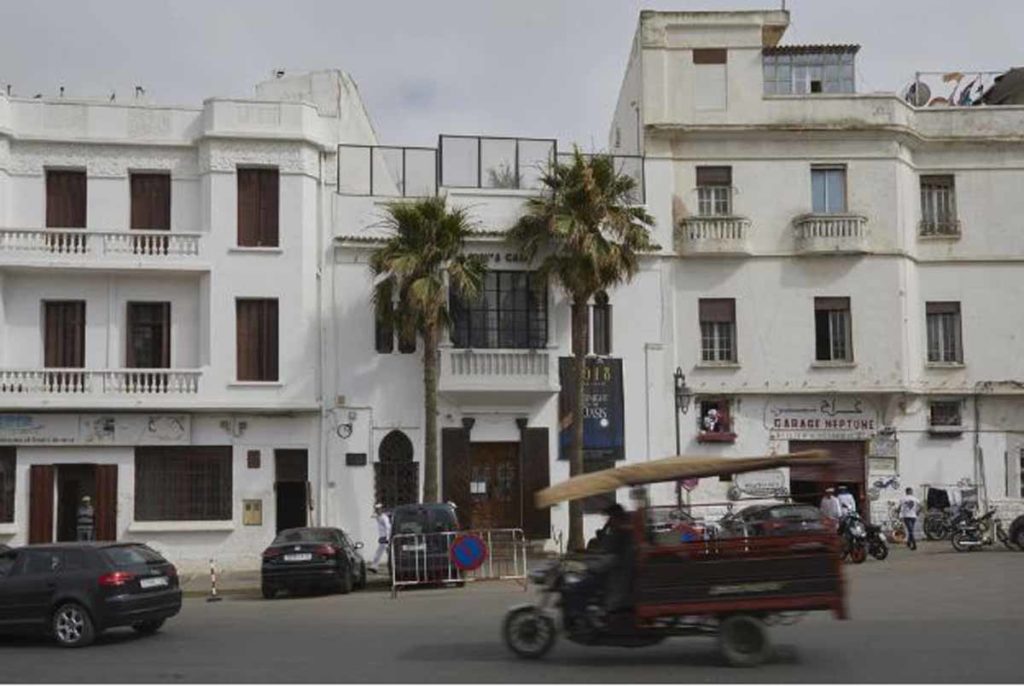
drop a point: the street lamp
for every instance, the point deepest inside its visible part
(683, 394)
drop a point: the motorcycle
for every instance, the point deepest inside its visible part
(854, 533)
(939, 524)
(877, 547)
(974, 533)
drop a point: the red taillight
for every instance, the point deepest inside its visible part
(173, 571)
(116, 578)
(326, 550)
(271, 553)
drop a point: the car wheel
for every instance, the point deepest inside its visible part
(148, 628)
(743, 641)
(344, 580)
(1018, 537)
(72, 626)
(268, 592)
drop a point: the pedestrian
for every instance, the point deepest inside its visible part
(909, 508)
(847, 503)
(383, 535)
(85, 520)
(830, 505)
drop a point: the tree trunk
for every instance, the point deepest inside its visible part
(430, 462)
(579, 344)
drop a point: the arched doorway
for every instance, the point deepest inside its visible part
(396, 474)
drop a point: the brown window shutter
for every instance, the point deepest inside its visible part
(245, 341)
(64, 334)
(710, 56)
(256, 342)
(65, 199)
(270, 341)
(535, 476)
(40, 499)
(942, 308)
(268, 207)
(831, 303)
(106, 502)
(151, 201)
(717, 309)
(248, 207)
(455, 472)
(714, 176)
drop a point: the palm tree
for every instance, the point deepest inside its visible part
(588, 233)
(424, 257)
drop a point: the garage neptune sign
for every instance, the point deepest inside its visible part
(603, 415)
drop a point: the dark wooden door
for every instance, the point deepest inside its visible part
(106, 502)
(455, 473)
(40, 503)
(535, 474)
(149, 335)
(151, 201)
(65, 199)
(291, 484)
(808, 482)
(494, 489)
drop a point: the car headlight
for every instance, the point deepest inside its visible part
(571, 578)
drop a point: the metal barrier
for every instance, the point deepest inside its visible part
(422, 559)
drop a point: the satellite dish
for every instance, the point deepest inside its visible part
(918, 94)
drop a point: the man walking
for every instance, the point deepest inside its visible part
(85, 520)
(909, 507)
(847, 503)
(830, 505)
(383, 535)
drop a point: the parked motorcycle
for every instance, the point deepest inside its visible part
(854, 533)
(877, 547)
(974, 533)
(1017, 532)
(939, 524)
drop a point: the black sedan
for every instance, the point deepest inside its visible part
(75, 591)
(310, 557)
(782, 519)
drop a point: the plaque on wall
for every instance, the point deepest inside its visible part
(355, 459)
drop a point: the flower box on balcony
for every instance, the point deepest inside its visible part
(716, 437)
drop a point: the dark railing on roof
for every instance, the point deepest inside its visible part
(630, 165)
(492, 162)
(389, 171)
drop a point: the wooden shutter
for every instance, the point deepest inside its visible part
(848, 466)
(535, 475)
(64, 334)
(709, 56)
(714, 176)
(40, 502)
(256, 340)
(106, 502)
(248, 207)
(151, 201)
(455, 472)
(717, 310)
(268, 207)
(65, 199)
(157, 318)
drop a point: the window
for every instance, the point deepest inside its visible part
(40, 561)
(944, 415)
(7, 560)
(828, 190)
(258, 208)
(938, 206)
(149, 335)
(710, 79)
(183, 483)
(1015, 473)
(832, 330)
(573, 335)
(717, 329)
(791, 72)
(65, 199)
(602, 314)
(151, 201)
(384, 330)
(943, 323)
(8, 459)
(714, 423)
(714, 191)
(511, 312)
(256, 339)
(64, 334)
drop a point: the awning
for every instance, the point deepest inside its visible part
(668, 469)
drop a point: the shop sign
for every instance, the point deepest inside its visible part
(95, 429)
(603, 413)
(503, 257)
(763, 484)
(834, 417)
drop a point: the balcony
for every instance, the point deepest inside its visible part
(23, 385)
(498, 371)
(99, 249)
(724, 236)
(831, 234)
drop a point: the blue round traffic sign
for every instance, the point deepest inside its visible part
(468, 552)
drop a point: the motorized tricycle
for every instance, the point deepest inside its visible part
(732, 588)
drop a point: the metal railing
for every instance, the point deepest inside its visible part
(494, 162)
(135, 382)
(387, 171)
(74, 243)
(949, 88)
(425, 559)
(939, 228)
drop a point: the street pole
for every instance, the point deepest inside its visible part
(679, 487)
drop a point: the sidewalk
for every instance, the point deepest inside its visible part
(247, 582)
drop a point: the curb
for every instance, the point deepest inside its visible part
(254, 590)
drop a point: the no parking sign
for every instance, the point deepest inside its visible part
(468, 552)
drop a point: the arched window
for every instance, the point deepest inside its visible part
(396, 474)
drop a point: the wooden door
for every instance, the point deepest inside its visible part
(64, 334)
(291, 484)
(106, 502)
(455, 473)
(40, 503)
(494, 489)
(535, 475)
(65, 199)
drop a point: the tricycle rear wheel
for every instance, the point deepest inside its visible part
(743, 641)
(528, 632)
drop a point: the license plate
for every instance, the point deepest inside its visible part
(413, 547)
(153, 582)
(298, 557)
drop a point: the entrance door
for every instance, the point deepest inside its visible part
(74, 482)
(807, 483)
(496, 499)
(40, 503)
(291, 482)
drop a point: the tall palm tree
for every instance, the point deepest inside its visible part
(424, 257)
(588, 233)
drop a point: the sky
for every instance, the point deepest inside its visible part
(544, 68)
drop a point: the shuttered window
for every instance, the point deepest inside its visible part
(65, 199)
(149, 335)
(714, 191)
(943, 324)
(833, 330)
(64, 334)
(183, 483)
(258, 208)
(257, 339)
(718, 329)
(938, 206)
(151, 201)
(7, 463)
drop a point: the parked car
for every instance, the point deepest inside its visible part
(1016, 532)
(75, 591)
(780, 519)
(4, 548)
(421, 536)
(312, 557)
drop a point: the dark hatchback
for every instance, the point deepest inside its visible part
(782, 519)
(312, 557)
(421, 536)
(75, 591)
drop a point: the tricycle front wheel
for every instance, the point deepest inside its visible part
(528, 632)
(743, 641)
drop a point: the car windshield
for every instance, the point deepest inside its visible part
(130, 555)
(424, 520)
(304, 536)
(795, 512)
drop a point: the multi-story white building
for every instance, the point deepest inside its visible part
(188, 335)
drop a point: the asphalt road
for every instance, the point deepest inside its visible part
(933, 615)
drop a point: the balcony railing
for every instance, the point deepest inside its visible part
(714, 236)
(85, 244)
(497, 163)
(498, 370)
(387, 171)
(103, 382)
(830, 233)
(939, 229)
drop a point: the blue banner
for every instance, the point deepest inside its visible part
(604, 427)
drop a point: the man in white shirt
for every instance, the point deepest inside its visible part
(909, 508)
(830, 504)
(383, 535)
(847, 503)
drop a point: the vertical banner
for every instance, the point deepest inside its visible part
(603, 413)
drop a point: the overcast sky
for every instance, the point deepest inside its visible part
(549, 68)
